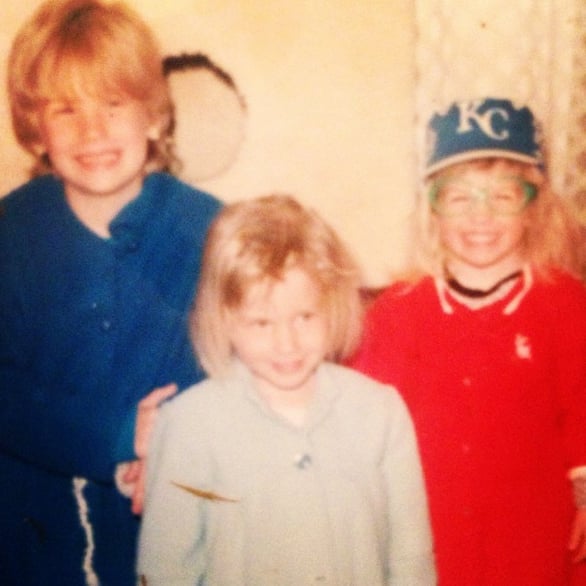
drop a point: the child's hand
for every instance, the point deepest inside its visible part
(126, 476)
(139, 482)
(146, 416)
(577, 542)
(130, 479)
(148, 408)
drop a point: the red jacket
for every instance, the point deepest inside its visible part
(498, 397)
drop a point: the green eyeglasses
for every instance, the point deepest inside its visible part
(506, 196)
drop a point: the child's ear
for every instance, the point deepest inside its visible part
(38, 149)
(154, 131)
(156, 128)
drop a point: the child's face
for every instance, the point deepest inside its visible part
(484, 223)
(280, 333)
(97, 145)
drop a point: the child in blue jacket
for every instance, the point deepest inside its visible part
(100, 256)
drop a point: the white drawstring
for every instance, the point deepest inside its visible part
(91, 577)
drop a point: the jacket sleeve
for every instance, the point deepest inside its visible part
(411, 560)
(569, 319)
(171, 553)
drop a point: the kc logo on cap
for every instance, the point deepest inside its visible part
(487, 121)
(482, 128)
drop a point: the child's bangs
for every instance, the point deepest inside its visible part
(92, 69)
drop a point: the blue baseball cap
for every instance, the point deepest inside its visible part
(477, 129)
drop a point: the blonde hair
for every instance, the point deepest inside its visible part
(256, 241)
(101, 47)
(552, 235)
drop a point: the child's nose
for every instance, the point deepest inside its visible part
(285, 338)
(93, 124)
(480, 207)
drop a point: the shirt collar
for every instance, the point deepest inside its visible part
(518, 293)
(321, 404)
(129, 225)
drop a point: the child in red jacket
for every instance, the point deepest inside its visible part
(489, 351)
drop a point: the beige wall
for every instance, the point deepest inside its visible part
(329, 86)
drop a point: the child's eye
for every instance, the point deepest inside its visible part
(114, 102)
(505, 196)
(61, 108)
(455, 195)
(305, 317)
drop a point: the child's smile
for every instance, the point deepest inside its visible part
(97, 145)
